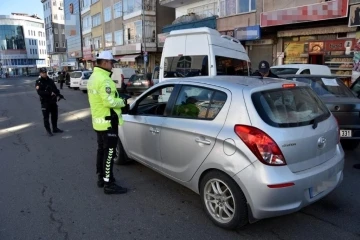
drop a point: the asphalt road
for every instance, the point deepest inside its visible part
(48, 187)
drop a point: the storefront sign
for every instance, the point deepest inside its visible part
(87, 53)
(338, 45)
(127, 49)
(247, 33)
(316, 47)
(260, 42)
(293, 49)
(309, 13)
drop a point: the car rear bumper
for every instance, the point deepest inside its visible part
(74, 85)
(82, 87)
(268, 202)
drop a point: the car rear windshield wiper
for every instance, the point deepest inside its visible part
(315, 122)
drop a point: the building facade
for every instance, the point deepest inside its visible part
(73, 34)
(55, 32)
(22, 44)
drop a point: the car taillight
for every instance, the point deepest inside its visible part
(289, 85)
(261, 145)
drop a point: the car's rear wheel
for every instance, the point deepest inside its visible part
(350, 144)
(84, 91)
(121, 157)
(223, 200)
(76, 88)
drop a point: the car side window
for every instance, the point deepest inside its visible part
(154, 103)
(198, 103)
(356, 87)
(305, 71)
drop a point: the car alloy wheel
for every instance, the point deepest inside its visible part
(219, 201)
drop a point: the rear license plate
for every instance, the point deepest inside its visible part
(75, 82)
(323, 186)
(137, 83)
(345, 133)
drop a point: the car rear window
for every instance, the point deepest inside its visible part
(76, 75)
(87, 75)
(134, 78)
(284, 71)
(290, 107)
(327, 87)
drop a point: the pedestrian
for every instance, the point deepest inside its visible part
(48, 93)
(105, 106)
(67, 78)
(264, 70)
(61, 79)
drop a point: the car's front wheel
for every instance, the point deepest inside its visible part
(121, 157)
(350, 144)
(223, 200)
(84, 91)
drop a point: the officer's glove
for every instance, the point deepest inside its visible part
(126, 109)
(61, 97)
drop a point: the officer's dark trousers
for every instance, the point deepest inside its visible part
(47, 110)
(107, 142)
(61, 84)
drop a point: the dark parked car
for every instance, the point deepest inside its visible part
(341, 101)
(355, 87)
(139, 83)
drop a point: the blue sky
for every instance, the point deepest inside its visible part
(21, 6)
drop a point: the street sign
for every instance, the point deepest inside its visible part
(145, 58)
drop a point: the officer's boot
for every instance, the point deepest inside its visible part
(112, 188)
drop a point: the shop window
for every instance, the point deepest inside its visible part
(186, 66)
(231, 66)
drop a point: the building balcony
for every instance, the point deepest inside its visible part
(176, 3)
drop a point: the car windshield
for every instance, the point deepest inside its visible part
(76, 75)
(87, 75)
(136, 77)
(284, 71)
(290, 107)
(326, 86)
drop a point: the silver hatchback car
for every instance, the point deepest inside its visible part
(252, 148)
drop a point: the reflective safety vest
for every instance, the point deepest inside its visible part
(103, 96)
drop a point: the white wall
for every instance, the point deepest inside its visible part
(31, 54)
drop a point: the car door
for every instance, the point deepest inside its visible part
(141, 131)
(355, 87)
(189, 133)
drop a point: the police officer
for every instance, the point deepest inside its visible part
(105, 105)
(264, 70)
(48, 93)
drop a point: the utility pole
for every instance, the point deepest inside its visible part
(143, 37)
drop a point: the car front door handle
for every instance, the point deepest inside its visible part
(203, 141)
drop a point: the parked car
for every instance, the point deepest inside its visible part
(355, 87)
(341, 101)
(139, 83)
(242, 143)
(76, 77)
(121, 77)
(84, 80)
(313, 69)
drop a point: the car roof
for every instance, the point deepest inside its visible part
(308, 76)
(299, 65)
(231, 82)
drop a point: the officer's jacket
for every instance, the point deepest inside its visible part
(44, 87)
(103, 97)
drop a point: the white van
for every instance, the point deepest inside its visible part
(121, 76)
(77, 76)
(202, 52)
(290, 69)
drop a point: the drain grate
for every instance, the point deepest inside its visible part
(357, 166)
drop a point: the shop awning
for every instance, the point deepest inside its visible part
(129, 58)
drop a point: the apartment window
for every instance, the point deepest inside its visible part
(118, 9)
(207, 10)
(94, 1)
(34, 42)
(36, 51)
(97, 42)
(232, 7)
(87, 41)
(56, 31)
(84, 4)
(86, 22)
(61, 4)
(55, 17)
(108, 40)
(131, 6)
(56, 44)
(30, 51)
(107, 14)
(54, 3)
(29, 42)
(96, 20)
(119, 37)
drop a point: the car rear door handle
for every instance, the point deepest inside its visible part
(203, 141)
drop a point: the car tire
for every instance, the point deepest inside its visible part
(84, 91)
(76, 88)
(121, 158)
(350, 144)
(235, 205)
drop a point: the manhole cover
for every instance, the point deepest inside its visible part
(357, 166)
